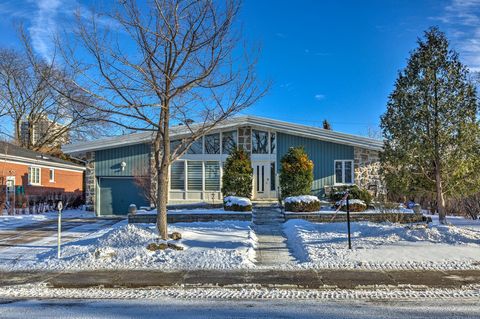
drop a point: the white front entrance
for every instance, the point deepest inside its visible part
(264, 180)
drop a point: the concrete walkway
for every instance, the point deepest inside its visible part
(312, 279)
(272, 249)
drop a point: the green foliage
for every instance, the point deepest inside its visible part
(355, 193)
(312, 206)
(430, 128)
(296, 173)
(353, 207)
(237, 175)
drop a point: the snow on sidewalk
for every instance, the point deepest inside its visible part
(383, 246)
(212, 245)
(241, 293)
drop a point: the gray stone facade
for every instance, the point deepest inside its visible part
(245, 138)
(90, 181)
(367, 170)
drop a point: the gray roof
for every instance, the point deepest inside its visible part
(12, 150)
(254, 121)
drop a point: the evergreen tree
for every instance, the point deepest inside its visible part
(237, 175)
(296, 173)
(430, 127)
(326, 125)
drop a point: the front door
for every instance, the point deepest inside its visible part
(264, 180)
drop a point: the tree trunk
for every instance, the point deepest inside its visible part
(162, 148)
(162, 199)
(440, 198)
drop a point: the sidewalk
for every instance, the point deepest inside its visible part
(312, 279)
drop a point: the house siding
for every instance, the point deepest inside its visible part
(323, 154)
(136, 157)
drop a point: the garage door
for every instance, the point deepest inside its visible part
(116, 195)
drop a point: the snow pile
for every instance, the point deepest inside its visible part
(301, 199)
(213, 245)
(235, 200)
(383, 246)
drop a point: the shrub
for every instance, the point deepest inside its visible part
(302, 204)
(237, 175)
(355, 205)
(237, 204)
(355, 193)
(296, 173)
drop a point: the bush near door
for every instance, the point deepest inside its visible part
(237, 175)
(296, 173)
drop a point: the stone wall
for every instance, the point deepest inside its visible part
(367, 170)
(90, 181)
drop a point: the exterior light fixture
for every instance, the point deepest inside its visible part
(123, 165)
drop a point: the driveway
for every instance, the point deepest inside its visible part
(26, 241)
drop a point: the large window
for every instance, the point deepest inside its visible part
(229, 142)
(195, 175)
(273, 142)
(34, 175)
(259, 142)
(212, 176)
(196, 147)
(177, 176)
(344, 172)
(212, 144)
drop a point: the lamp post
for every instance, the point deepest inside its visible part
(348, 222)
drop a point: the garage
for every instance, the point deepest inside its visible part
(117, 193)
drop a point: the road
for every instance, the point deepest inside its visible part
(179, 309)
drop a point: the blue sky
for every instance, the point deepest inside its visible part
(334, 60)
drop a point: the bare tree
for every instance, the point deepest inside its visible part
(164, 63)
(42, 119)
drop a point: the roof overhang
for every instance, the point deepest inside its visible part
(279, 126)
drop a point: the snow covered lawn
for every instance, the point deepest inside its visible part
(211, 245)
(385, 246)
(14, 221)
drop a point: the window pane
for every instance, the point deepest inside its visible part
(229, 141)
(273, 143)
(212, 176)
(259, 142)
(272, 176)
(338, 172)
(348, 172)
(177, 176)
(196, 147)
(212, 144)
(52, 174)
(194, 169)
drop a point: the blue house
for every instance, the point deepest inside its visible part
(119, 167)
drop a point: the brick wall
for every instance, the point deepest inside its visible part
(64, 180)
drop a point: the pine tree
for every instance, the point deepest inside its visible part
(296, 173)
(430, 127)
(326, 125)
(237, 175)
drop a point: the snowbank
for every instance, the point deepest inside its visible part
(234, 200)
(302, 198)
(383, 246)
(213, 245)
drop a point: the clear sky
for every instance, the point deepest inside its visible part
(334, 60)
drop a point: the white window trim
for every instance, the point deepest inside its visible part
(343, 172)
(51, 176)
(39, 176)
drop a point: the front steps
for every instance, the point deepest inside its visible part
(267, 215)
